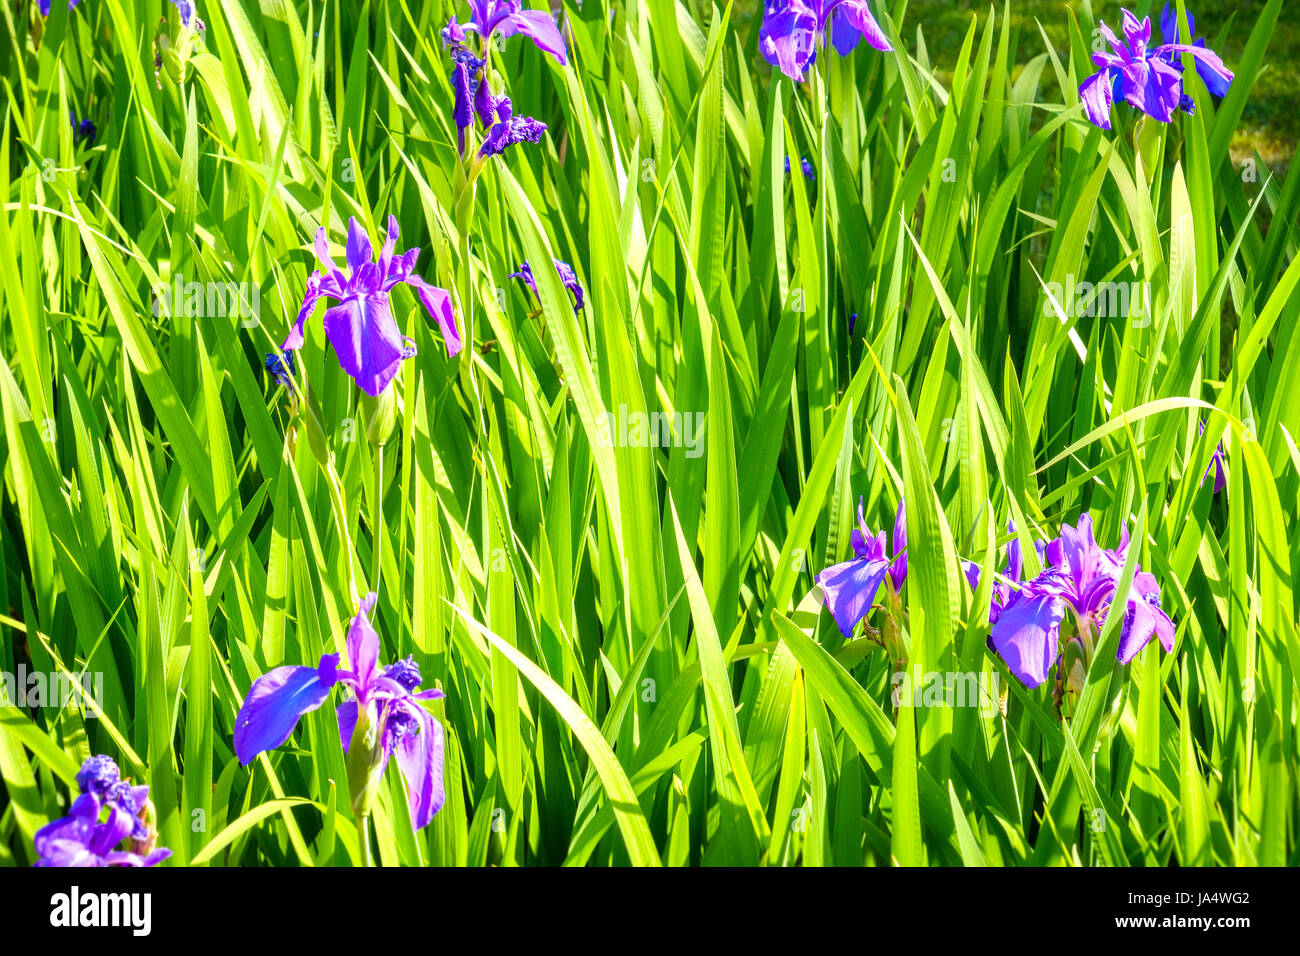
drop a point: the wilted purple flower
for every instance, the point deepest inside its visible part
(510, 131)
(848, 589)
(389, 697)
(1080, 578)
(83, 130)
(280, 365)
(504, 129)
(793, 30)
(472, 87)
(361, 328)
(80, 839)
(188, 19)
(1149, 78)
(98, 775)
(567, 276)
(507, 18)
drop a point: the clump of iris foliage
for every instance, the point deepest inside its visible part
(462, 245)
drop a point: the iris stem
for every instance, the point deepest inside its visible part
(363, 837)
(465, 288)
(341, 521)
(377, 519)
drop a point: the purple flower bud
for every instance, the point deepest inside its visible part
(188, 19)
(567, 276)
(453, 34)
(281, 367)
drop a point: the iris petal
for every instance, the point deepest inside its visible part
(1026, 635)
(438, 303)
(359, 250)
(787, 37)
(1209, 66)
(347, 715)
(848, 590)
(273, 706)
(363, 646)
(898, 570)
(857, 16)
(1095, 92)
(369, 346)
(419, 757)
(540, 27)
(1142, 621)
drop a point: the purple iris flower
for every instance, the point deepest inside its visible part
(507, 18)
(1215, 82)
(1217, 463)
(1080, 578)
(390, 697)
(1149, 78)
(361, 328)
(793, 30)
(45, 6)
(567, 276)
(281, 367)
(82, 840)
(83, 130)
(188, 19)
(848, 589)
